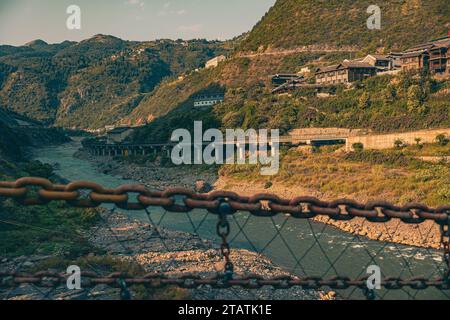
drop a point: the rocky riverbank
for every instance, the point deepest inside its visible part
(157, 250)
(426, 235)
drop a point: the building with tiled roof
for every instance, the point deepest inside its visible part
(345, 72)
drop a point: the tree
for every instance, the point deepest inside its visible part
(364, 100)
(418, 143)
(388, 94)
(414, 97)
(358, 146)
(399, 144)
(442, 140)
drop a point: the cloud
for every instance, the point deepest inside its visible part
(165, 11)
(191, 28)
(139, 3)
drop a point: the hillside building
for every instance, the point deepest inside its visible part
(396, 60)
(381, 62)
(415, 60)
(208, 100)
(432, 56)
(439, 55)
(344, 73)
(215, 62)
(282, 78)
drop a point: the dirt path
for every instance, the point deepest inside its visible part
(158, 250)
(306, 49)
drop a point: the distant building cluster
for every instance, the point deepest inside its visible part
(433, 56)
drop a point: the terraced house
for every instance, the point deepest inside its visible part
(433, 56)
(344, 73)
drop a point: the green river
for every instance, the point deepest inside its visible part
(322, 250)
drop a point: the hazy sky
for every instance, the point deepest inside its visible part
(24, 20)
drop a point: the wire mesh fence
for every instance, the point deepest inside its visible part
(181, 245)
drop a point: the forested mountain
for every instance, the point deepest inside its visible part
(105, 80)
(294, 23)
(95, 82)
(381, 104)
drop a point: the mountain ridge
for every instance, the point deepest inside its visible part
(94, 82)
(105, 80)
(344, 22)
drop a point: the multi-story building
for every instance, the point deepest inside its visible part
(345, 72)
(396, 59)
(432, 56)
(438, 58)
(448, 62)
(415, 60)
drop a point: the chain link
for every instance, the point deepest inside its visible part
(38, 191)
(188, 281)
(445, 242)
(265, 205)
(223, 231)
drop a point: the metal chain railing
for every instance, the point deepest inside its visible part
(38, 191)
(223, 231)
(445, 242)
(266, 205)
(155, 281)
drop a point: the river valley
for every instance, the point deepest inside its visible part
(300, 247)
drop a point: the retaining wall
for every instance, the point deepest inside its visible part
(386, 141)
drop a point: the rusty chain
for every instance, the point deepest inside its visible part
(38, 191)
(445, 242)
(223, 231)
(187, 281)
(265, 205)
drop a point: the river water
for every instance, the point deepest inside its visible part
(299, 246)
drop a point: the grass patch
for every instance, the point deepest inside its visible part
(390, 175)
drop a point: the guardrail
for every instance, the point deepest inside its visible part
(228, 208)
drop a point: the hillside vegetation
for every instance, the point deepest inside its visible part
(105, 80)
(94, 82)
(382, 104)
(293, 23)
(391, 175)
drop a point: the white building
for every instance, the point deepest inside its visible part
(214, 62)
(208, 100)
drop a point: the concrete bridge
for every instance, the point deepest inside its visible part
(113, 150)
(309, 136)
